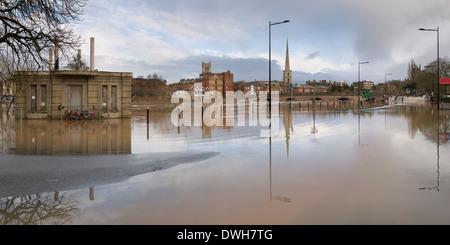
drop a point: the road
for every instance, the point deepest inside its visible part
(408, 100)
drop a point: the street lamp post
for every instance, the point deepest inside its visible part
(438, 75)
(359, 81)
(385, 86)
(270, 63)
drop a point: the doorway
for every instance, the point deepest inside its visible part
(74, 97)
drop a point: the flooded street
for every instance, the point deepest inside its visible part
(379, 165)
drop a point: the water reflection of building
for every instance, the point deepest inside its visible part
(52, 137)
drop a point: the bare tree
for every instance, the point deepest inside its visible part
(28, 29)
(9, 63)
(444, 67)
(32, 27)
(38, 210)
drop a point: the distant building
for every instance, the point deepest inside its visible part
(365, 85)
(302, 89)
(259, 86)
(221, 82)
(184, 84)
(308, 89)
(320, 89)
(343, 83)
(237, 86)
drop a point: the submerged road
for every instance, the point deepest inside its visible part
(23, 175)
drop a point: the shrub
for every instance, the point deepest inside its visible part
(83, 115)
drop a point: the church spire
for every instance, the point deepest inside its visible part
(286, 66)
(287, 74)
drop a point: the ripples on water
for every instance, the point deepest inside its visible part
(382, 165)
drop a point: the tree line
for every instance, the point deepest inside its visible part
(423, 80)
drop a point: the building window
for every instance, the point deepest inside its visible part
(105, 96)
(114, 97)
(43, 97)
(33, 97)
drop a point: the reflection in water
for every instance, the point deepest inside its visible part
(52, 137)
(314, 129)
(346, 178)
(440, 125)
(288, 126)
(36, 209)
(331, 179)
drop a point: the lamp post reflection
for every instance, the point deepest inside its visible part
(437, 157)
(279, 198)
(314, 129)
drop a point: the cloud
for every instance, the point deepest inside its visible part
(312, 55)
(387, 33)
(326, 38)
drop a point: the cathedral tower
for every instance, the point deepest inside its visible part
(206, 67)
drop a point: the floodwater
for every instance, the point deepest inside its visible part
(379, 165)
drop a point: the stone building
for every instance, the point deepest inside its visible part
(365, 85)
(43, 94)
(259, 86)
(237, 86)
(221, 82)
(308, 89)
(302, 89)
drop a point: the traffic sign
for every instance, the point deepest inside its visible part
(445, 81)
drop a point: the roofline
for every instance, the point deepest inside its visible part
(71, 73)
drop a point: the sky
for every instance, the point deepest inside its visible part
(327, 38)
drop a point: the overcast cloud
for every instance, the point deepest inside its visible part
(327, 38)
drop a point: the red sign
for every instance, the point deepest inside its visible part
(445, 81)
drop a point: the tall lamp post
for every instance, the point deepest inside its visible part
(270, 63)
(385, 85)
(359, 81)
(438, 75)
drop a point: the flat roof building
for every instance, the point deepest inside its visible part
(44, 94)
